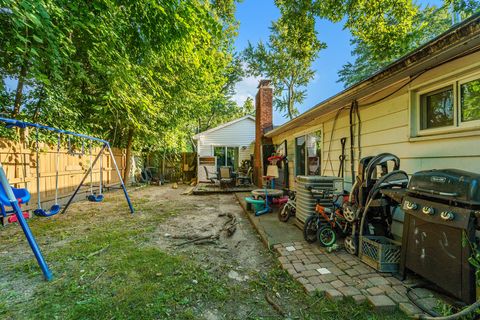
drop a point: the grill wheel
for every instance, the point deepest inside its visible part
(349, 211)
(350, 245)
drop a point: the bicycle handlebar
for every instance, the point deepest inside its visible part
(323, 192)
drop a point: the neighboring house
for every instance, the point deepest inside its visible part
(226, 145)
(424, 108)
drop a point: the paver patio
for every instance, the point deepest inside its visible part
(338, 275)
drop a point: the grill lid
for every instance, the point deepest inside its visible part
(447, 184)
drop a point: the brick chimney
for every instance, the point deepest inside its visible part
(263, 122)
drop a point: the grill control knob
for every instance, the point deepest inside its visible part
(428, 211)
(447, 215)
(411, 205)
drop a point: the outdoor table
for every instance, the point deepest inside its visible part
(274, 193)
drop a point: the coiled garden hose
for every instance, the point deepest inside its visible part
(432, 315)
(471, 308)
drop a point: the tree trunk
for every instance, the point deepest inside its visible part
(41, 97)
(19, 92)
(290, 102)
(128, 164)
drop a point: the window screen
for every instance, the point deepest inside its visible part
(436, 108)
(470, 100)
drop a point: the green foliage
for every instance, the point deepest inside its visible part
(382, 30)
(372, 21)
(118, 69)
(249, 107)
(470, 100)
(464, 8)
(427, 23)
(287, 57)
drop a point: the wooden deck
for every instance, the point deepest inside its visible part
(209, 188)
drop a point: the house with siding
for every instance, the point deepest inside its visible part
(424, 108)
(226, 145)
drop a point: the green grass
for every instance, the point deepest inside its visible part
(108, 267)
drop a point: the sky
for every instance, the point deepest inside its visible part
(255, 17)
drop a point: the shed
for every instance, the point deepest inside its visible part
(226, 145)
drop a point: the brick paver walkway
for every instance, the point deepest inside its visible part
(340, 275)
(337, 275)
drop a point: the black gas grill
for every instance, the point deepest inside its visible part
(441, 210)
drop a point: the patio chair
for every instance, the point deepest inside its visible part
(245, 178)
(226, 177)
(212, 176)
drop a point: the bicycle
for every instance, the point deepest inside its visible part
(289, 208)
(324, 223)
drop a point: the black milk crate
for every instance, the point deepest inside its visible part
(380, 253)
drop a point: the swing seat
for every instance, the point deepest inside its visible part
(22, 195)
(53, 211)
(95, 197)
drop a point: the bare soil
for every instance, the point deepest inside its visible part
(205, 216)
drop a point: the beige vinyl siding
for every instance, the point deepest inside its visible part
(385, 127)
(245, 154)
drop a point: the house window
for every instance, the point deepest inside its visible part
(308, 154)
(314, 158)
(300, 156)
(436, 108)
(226, 156)
(470, 100)
(452, 106)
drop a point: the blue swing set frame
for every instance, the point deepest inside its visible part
(12, 197)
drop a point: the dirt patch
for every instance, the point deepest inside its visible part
(205, 216)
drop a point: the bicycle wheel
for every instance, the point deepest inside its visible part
(310, 229)
(285, 213)
(326, 236)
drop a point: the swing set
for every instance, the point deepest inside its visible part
(15, 197)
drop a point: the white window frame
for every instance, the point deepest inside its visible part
(419, 109)
(472, 123)
(305, 134)
(295, 152)
(458, 126)
(213, 146)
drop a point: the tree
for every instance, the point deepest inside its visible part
(248, 107)
(34, 45)
(287, 58)
(382, 30)
(379, 21)
(427, 23)
(133, 72)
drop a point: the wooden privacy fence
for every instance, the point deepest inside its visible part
(20, 165)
